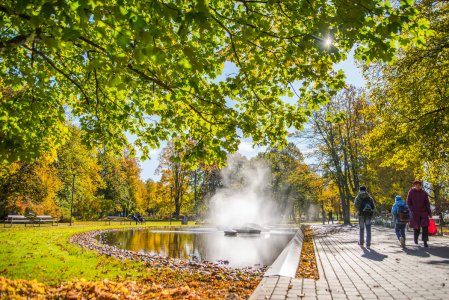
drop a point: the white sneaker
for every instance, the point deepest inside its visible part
(402, 241)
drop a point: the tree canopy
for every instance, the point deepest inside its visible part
(411, 101)
(411, 105)
(156, 68)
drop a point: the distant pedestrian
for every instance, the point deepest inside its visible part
(323, 216)
(418, 202)
(134, 217)
(140, 218)
(329, 217)
(364, 204)
(401, 216)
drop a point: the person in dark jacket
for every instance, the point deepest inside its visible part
(140, 218)
(418, 203)
(134, 217)
(399, 225)
(364, 205)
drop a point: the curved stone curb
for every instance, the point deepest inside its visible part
(281, 274)
(287, 262)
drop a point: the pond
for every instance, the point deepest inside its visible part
(243, 250)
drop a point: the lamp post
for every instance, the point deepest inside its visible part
(71, 203)
(194, 196)
(171, 197)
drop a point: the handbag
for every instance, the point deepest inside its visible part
(432, 227)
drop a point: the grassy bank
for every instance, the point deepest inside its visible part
(38, 263)
(45, 254)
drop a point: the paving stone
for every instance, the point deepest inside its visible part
(282, 286)
(339, 296)
(277, 297)
(369, 297)
(279, 294)
(257, 297)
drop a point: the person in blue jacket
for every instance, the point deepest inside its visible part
(400, 211)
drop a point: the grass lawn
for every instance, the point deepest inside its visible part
(45, 254)
(40, 262)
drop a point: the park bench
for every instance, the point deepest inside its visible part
(16, 219)
(45, 219)
(33, 220)
(122, 220)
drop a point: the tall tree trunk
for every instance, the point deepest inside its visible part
(342, 183)
(177, 180)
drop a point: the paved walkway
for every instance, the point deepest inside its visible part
(386, 271)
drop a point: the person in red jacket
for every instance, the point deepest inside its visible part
(418, 203)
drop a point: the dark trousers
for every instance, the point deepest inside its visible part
(365, 222)
(425, 234)
(399, 229)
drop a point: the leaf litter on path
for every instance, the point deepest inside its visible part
(307, 267)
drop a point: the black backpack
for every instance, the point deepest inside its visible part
(366, 207)
(403, 214)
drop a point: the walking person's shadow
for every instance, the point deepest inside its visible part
(416, 252)
(438, 250)
(373, 254)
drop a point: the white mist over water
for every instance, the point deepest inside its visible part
(246, 196)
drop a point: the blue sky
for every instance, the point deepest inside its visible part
(353, 76)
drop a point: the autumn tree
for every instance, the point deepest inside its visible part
(29, 188)
(152, 198)
(176, 172)
(78, 170)
(123, 190)
(307, 186)
(161, 205)
(336, 133)
(293, 183)
(136, 187)
(410, 97)
(101, 183)
(156, 68)
(114, 193)
(329, 197)
(207, 179)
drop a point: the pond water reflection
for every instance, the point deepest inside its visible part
(211, 245)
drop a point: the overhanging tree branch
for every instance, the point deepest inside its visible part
(86, 97)
(16, 41)
(429, 113)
